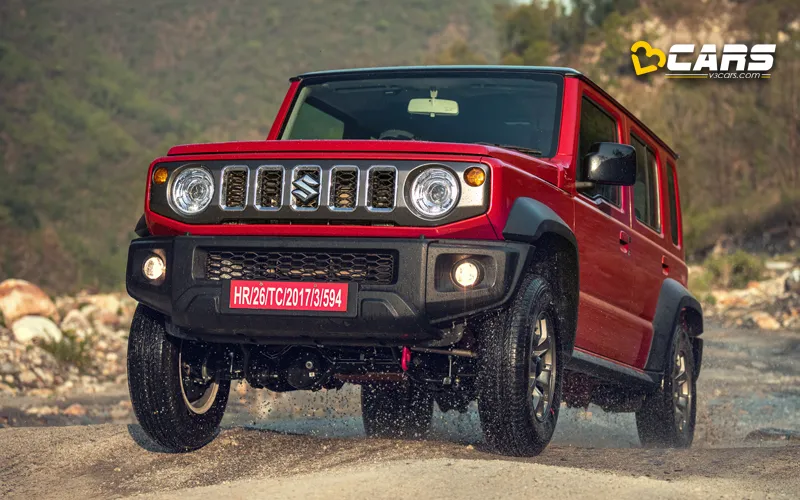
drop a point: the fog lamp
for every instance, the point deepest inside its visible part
(466, 273)
(154, 268)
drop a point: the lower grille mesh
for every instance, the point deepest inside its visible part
(363, 267)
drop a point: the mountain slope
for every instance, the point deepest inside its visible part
(91, 90)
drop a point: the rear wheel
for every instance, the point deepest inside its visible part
(519, 382)
(396, 410)
(667, 417)
(176, 400)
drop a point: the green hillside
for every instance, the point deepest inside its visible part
(91, 90)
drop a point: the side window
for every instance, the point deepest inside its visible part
(313, 123)
(596, 126)
(673, 203)
(645, 191)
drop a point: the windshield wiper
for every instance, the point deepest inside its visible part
(521, 149)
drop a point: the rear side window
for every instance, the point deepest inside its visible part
(645, 192)
(673, 203)
(596, 126)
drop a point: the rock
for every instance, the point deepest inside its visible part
(27, 378)
(792, 283)
(764, 321)
(75, 410)
(18, 298)
(779, 266)
(8, 368)
(31, 327)
(77, 323)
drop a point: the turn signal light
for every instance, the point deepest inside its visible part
(160, 175)
(475, 176)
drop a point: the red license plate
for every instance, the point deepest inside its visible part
(288, 296)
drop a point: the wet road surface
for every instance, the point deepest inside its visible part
(312, 446)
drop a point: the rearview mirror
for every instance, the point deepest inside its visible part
(433, 107)
(610, 163)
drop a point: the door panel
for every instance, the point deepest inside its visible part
(652, 261)
(606, 325)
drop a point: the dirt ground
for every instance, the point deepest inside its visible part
(312, 445)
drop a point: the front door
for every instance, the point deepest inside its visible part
(606, 324)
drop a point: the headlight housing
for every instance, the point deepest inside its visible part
(191, 191)
(434, 192)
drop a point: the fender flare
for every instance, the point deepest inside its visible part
(530, 219)
(673, 300)
(141, 228)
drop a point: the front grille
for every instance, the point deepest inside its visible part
(362, 267)
(381, 190)
(270, 187)
(344, 188)
(234, 188)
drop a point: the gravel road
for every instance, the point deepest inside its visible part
(312, 446)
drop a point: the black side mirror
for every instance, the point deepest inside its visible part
(610, 163)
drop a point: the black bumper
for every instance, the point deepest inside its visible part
(418, 305)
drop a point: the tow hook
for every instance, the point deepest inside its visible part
(405, 359)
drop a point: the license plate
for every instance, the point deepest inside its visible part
(288, 296)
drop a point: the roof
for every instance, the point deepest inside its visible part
(487, 68)
(407, 69)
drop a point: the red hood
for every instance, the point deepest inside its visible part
(328, 146)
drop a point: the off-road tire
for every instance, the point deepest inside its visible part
(657, 421)
(396, 410)
(154, 382)
(508, 416)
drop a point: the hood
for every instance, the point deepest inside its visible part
(345, 146)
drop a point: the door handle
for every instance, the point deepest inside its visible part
(664, 265)
(624, 243)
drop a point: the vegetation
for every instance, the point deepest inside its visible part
(92, 90)
(71, 350)
(735, 270)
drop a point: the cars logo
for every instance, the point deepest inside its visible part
(306, 188)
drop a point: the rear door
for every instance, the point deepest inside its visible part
(602, 227)
(649, 246)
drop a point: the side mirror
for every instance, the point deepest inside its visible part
(610, 163)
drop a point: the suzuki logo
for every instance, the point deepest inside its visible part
(306, 188)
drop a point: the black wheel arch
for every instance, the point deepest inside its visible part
(675, 303)
(555, 256)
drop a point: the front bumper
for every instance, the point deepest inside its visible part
(419, 305)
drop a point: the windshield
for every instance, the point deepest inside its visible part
(510, 110)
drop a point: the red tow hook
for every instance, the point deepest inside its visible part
(405, 358)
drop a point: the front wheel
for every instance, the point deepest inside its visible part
(667, 417)
(177, 403)
(520, 376)
(401, 410)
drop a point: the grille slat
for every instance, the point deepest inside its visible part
(234, 189)
(362, 267)
(381, 190)
(270, 187)
(344, 188)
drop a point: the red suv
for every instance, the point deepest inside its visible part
(510, 235)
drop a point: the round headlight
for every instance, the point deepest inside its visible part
(434, 193)
(192, 191)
